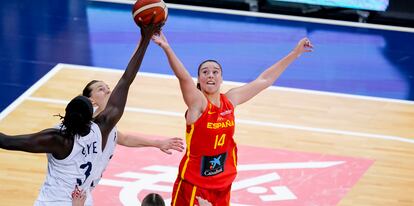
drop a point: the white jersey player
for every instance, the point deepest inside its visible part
(80, 135)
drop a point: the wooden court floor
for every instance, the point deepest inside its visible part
(297, 120)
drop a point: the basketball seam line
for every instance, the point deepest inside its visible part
(159, 4)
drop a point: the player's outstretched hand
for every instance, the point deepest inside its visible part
(78, 197)
(160, 39)
(147, 30)
(304, 45)
(174, 143)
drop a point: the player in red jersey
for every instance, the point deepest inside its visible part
(208, 168)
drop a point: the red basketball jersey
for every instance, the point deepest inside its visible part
(211, 156)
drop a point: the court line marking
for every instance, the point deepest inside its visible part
(275, 16)
(29, 91)
(233, 83)
(58, 67)
(249, 122)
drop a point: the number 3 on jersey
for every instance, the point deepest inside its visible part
(219, 141)
(88, 167)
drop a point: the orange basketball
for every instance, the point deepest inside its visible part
(145, 9)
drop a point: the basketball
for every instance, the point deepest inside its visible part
(145, 9)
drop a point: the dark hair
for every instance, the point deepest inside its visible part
(205, 61)
(153, 199)
(87, 90)
(78, 116)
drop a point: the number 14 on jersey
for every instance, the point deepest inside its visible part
(219, 140)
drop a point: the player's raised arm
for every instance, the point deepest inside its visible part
(116, 103)
(193, 98)
(266, 79)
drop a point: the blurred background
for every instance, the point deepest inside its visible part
(389, 12)
(37, 35)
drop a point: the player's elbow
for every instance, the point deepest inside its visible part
(264, 82)
(122, 140)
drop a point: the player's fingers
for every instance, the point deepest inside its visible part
(154, 14)
(180, 147)
(140, 21)
(177, 148)
(175, 141)
(158, 27)
(178, 140)
(82, 198)
(179, 144)
(166, 151)
(172, 145)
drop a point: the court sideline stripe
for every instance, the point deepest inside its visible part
(250, 122)
(54, 70)
(30, 91)
(232, 83)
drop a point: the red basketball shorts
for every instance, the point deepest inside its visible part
(185, 193)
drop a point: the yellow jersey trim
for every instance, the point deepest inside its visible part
(193, 193)
(234, 157)
(176, 192)
(188, 137)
